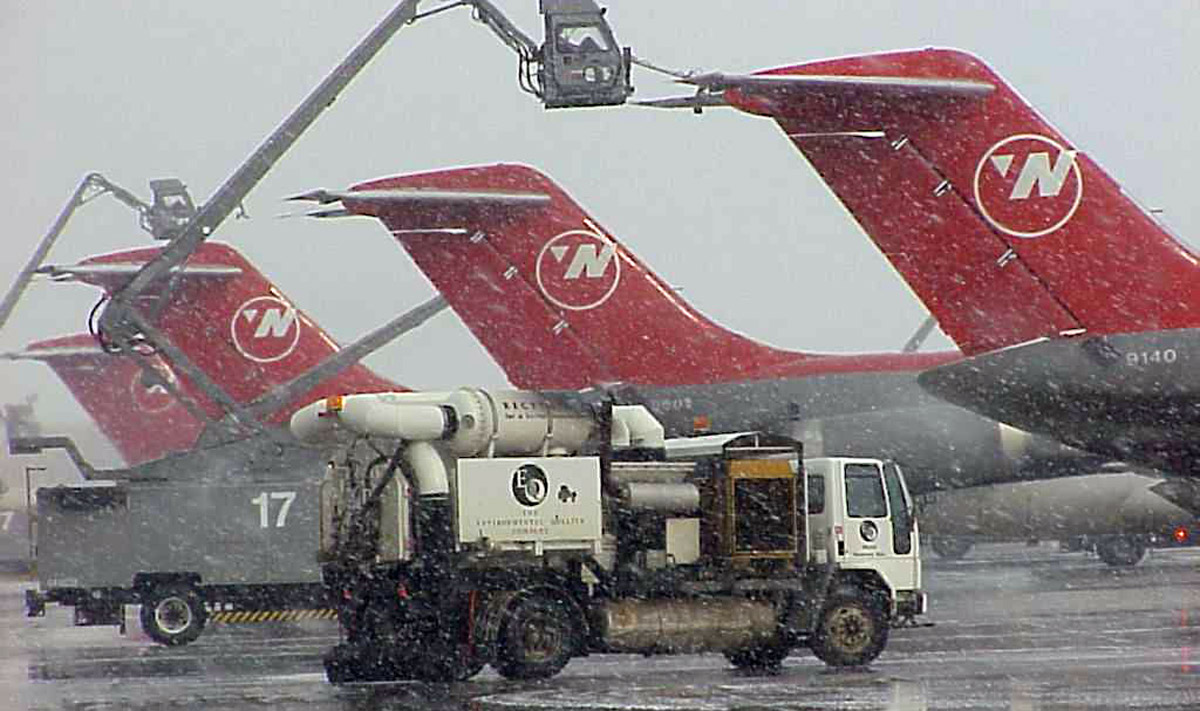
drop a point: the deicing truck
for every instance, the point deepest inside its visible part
(469, 528)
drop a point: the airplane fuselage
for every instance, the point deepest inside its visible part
(1133, 396)
(884, 414)
(972, 475)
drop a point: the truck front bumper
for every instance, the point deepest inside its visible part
(910, 603)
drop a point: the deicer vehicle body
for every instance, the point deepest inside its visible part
(474, 527)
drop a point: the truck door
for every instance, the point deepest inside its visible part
(866, 529)
(902, 519)
(906, 541)
(820, 538)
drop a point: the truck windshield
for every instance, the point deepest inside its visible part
(864, 492)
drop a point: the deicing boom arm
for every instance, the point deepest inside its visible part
(120, 321)
(92, 186)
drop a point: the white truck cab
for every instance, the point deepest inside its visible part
(860, 518)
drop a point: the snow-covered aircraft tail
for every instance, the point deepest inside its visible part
(133, 406)
(1005, 229)
(555, 298)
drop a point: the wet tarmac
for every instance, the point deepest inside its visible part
(1016, 628)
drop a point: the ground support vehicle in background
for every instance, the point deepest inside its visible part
(14, 540)
(1128, 550)
(236, 549)
(559, 534)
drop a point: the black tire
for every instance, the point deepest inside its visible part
(951, 548)
(1121, 551)
(538, 639)
(852, 630)
(173, 614)
(760, 659)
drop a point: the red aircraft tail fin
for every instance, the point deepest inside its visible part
(233, 324)
(1004, 228)
(131, 406)
(556, 299)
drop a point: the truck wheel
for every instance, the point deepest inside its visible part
(951, 548)
(537, 641)
(852, 630)
(173, 614)
(764, 658)
(1121, 551)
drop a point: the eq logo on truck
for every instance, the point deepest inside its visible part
(149, 389)
(579, 269)
(265, 329)
(529, 485)
(1028, 185)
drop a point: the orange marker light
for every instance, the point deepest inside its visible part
(333, 405)
(1181, 534)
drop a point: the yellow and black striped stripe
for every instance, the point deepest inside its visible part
(237, 617)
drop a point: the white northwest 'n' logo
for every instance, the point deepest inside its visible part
(588, 258)
(265, 329)
(275, 322)
(578, 269)
(1037, 171)
(1009, 172)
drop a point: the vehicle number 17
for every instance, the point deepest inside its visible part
(263, 501)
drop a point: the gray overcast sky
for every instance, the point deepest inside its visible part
(721, 205)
